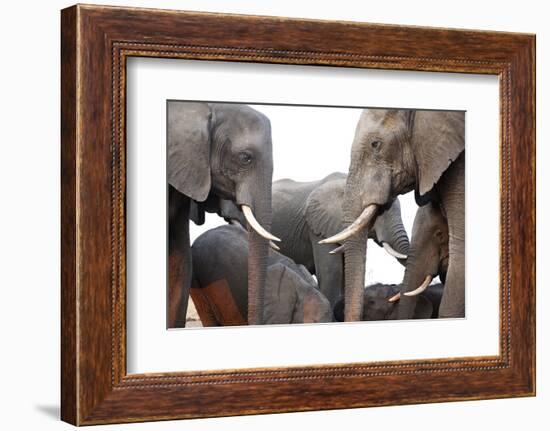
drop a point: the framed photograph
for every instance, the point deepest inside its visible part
(265, 214)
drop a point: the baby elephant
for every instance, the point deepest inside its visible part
(377, 307)
(220, 290)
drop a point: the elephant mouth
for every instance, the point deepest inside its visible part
(360, 223)
(392, 252)
(255, 225)
(341, 248)
(422, 287)
(235, 222)
(414, 292)
(260, 231)
(395, 297)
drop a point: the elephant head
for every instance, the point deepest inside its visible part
(324, 216)
(292, 297)
(377, 307)
(428, 257)
(393, 152)
(225, 150)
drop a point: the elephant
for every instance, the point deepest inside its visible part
(217, 151)
(395, 151)
(306, 212)
(376, 305)
(220, 292)
(428, 257)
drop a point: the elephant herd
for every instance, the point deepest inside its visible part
(295, 252)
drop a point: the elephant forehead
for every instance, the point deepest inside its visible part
(241, 116)
(177, 109)
(242, 133)
(380, 291)
(428, 218)
(383, 118)
(381, 124)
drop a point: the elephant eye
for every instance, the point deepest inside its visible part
(245, 158)
(375, 144)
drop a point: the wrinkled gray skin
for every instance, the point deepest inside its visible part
(394, 152)
(291, 292)
(216, 151)
(306, 212)
(377, 307)
(428, 254)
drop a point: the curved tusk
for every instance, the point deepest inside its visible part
(274, 246)
(359, 223)
(421, 288)
(393, 252)
(395, 297)
(339, 249)
(253, 223)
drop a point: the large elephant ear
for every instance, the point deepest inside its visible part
(189, 148)
(437, 139)
(324, 213)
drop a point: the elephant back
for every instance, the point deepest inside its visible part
(222, 254)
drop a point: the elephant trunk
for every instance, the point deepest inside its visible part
(399, 240)
(357, 218)
(414, 276)
(258, 250)
(354, 275)
(389, 232)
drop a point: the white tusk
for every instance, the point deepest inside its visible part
(339, 249)
(420, 288)
(274, 246)
(253, 223)
(395, 298)
(359, 223)
(392, 252)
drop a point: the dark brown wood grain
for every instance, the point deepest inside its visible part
(96, 41)
(68, 216)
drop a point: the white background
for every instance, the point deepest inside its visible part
(308, 143)
(29, 220)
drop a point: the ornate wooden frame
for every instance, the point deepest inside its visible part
(95, 43)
